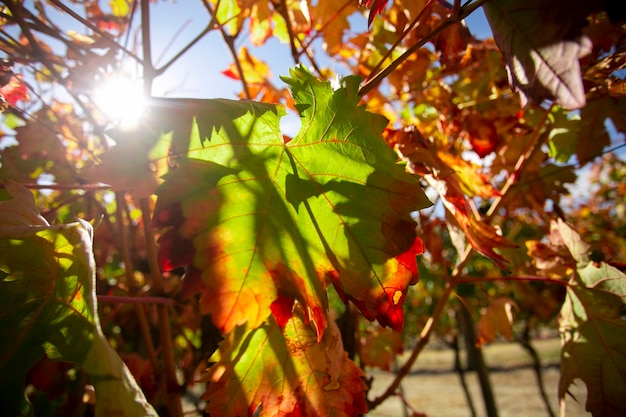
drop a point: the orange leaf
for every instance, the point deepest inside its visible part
(332, 16)
(286, 374)
(496, 319)
(471, 181)
(255, 70)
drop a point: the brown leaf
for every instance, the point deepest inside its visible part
(497, 319)
(379, 346)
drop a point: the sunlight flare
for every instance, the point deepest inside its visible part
(121, 100)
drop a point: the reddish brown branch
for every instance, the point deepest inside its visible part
(113, 299)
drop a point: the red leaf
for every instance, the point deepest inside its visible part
(14, 91)
(231, 73)
(376, 8)
(482, 134)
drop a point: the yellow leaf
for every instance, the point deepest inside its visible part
(119, 8)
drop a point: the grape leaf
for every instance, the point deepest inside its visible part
(263, 222)
(497, 318)
(592, 328)
(542, 42)
(48, 304)
(285, 373)
(20, 215)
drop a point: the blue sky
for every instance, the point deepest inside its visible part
(198, 73)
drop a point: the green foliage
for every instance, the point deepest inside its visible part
(330, 201)
(47, 304)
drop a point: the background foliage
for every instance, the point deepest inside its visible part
(219, 246)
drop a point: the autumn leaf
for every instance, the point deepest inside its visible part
(376, 8)
(255, 70)
(15, 90)
(286, 373)
(331, 19)
(542, 43)
(269, 222)
(497, 319)
(481, 133)
(470, 179)
(592, 328)
(379, 347)
(48, 304)
(231, 14)
(423, 159)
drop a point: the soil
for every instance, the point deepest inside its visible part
(434, 389)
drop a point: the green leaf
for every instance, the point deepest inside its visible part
(592, 328)
(269, 222)
(542, 42)
(48, 304)
(563, 135)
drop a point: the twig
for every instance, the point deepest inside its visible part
(524, 341)
(519, 165)
(105, 36)
(195, 40)
(85, 187)
(114, 299)
(422, 342)
(172, 388)
(281, 7)
(459, 369)
(463, 13)
(230, 44)
(165, 333)
(404, 34)
(466, 280)
(120, 209)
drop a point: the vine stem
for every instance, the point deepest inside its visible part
(144, 327)
(422, 342)
(165, 332)
(172, 388)
(456, 277)
(404, 34)
(547, 280)
(114, 299)
(229, 40)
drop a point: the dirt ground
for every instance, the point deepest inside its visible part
(433, 388)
